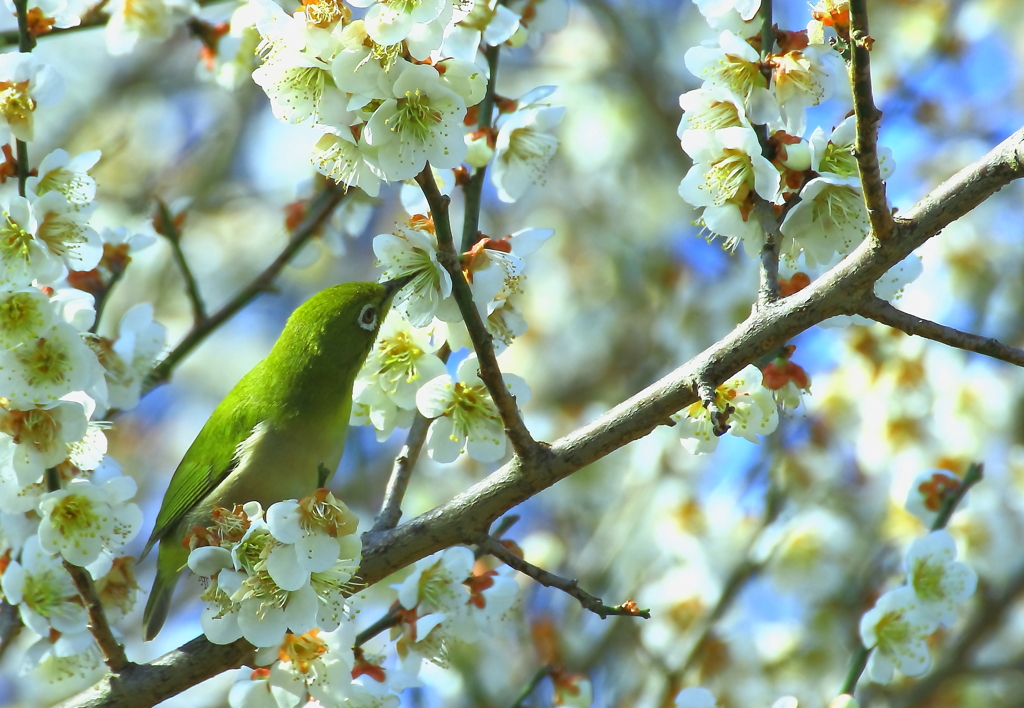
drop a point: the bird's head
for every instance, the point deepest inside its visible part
(339, 323)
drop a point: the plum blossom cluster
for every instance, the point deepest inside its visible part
(61, 499)
(403, 373)
(283, 571)
(897, 628)
(809, 186)
(444, 600)
(392, 90)
(448, 598)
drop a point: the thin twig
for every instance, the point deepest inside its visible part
(386, 621)
(767, 33)
(113, 652)
(391, 509)
(708, 394)
(738, 577)
(169, 230)
(541, 674)
(475, 188)
(103, 297)
(883, 312)
(522, 442)
(570, 587)
(972, 476)
(768, 290)
(867, 116)
(10, 625)
(401, 472)
(25, 44)
(318, 214)
(91, 18)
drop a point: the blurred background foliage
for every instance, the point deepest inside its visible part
(799, 534)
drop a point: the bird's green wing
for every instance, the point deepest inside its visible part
(211, 457)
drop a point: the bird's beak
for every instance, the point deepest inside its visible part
(391, 287)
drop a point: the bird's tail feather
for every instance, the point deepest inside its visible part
(169, 562)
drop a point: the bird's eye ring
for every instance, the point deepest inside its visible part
(368, 318)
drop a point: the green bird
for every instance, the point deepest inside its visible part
(270, 436)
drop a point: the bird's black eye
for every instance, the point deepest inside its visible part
(368, 318)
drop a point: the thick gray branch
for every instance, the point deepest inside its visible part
(466, 517)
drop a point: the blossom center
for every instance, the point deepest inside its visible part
(415, 117)
(892, 631)
(35, 426)
(20, 314)
(530, 145)
(60, 234)
(303, 649)
(14, 240)
(730, 177)
(42, 593)
(46, 362)
(75, 515)
(838, 205)
(398, 357)
(470, 403)
(15, 103)
(839, 160)
(719, 114)
(927, 579)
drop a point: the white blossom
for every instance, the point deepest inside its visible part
(727, 168)
(735, 65)
(466, 419)
(753, 412)
(43, 370)
(412, 249)
(41, 436)
(896, 628)
(313, 533)
(523, 149)
(420, 120)
(805, 78)
(25, 84)
(938, 579)
(84, 520)
(43, 592)
(67, 175)
(132, 21)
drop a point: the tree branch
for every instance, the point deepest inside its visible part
(883, 312)
(148, 684)
(318, 214)
(475, 188)
(401, 472)
(391, 509)
(570, 587)
(522, 442)
(867, 115)
(10, 625)
(466, 517)
(93, 17)
(169, 230)
(113, 653)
